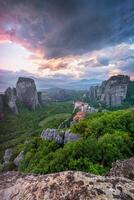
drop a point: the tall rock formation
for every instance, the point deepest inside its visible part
(27, 92)
(1, 103)
(112, 92)
(10, 99)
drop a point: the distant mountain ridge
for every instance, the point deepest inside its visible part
(44, 83)
(82, 84)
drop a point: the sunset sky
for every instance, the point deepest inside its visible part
(66, 39)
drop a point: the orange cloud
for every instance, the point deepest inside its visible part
(53, 65)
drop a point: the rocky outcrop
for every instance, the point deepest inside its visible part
(52, 134)
(7, 156)
(18, 159)
(60, 137)
(124, 168)
(64, 186)
(27, 92)
(1, 103)
(1, 106)
(70, 137)
(112, 92)
(10, 98)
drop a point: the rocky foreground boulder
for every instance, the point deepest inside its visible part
(27, 92)
(64, 186)
(124, 168)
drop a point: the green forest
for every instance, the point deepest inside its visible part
(105, 137)
(15, 130)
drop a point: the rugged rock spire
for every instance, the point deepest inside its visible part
(10, 98)
(112, 92)
(1, 103)
(27, 92)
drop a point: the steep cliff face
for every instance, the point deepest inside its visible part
(1, 103)
(64, 186)
(112, 92)
(27, 92)
(10, 98)
(130, 93)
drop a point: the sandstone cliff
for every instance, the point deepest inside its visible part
(64, 186)
(111, 92)
(27, 92)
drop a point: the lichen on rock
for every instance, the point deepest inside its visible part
(64, 186)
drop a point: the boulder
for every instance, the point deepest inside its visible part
(124, 168)
(27, 93)
(60, 137)
(7, 156)
(70, 137)
(18, 159)
(64, 186)
(10, 98)
(52, 134)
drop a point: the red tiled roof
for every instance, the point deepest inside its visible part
(79, 115)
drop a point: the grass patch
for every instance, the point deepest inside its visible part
(54, 121)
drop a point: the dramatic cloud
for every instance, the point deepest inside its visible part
(67, 27)
(72, 38)
(53, 65)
